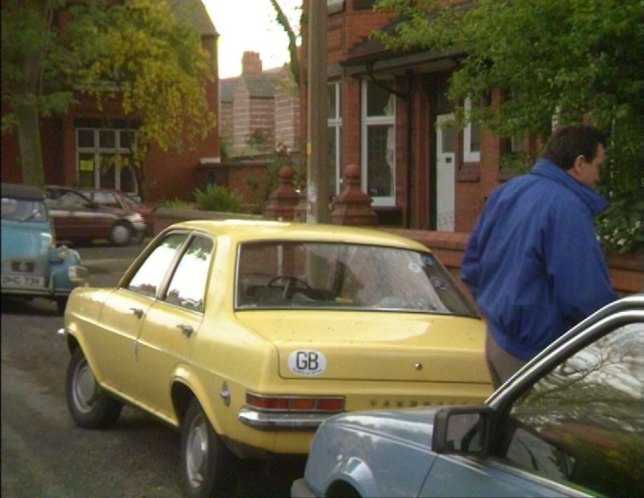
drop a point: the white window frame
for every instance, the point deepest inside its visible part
(334, 6)
(469, 156)
(366, 122)
(96, 150)
(334, 124)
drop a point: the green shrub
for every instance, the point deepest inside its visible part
(218, 198)
(619, 228)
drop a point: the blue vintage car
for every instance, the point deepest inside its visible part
(570, 423)
(32, 265)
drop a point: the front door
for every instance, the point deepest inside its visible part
(171, 326)
(445, 169)
(121, 321)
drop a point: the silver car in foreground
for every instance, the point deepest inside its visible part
(570, 423)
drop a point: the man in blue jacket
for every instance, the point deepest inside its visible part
(533, 262)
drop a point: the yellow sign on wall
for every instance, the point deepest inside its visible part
(86, 165)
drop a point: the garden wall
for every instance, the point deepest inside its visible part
(626, 270)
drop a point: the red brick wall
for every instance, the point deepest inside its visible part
(420, 180)
(351, 121)
(237, 176)
(626, 271)
(287, 119)
(241, 116)
(225, 122)
(360, 23)
(335, 37)
(173, 173)
(240, 175)
(262, 119)
(251, 115)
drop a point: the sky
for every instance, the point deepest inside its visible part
(249, 25)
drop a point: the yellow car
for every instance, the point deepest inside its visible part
(246, 335)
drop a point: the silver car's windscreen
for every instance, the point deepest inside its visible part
(306, 275)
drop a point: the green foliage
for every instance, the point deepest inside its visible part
(619, 228)
(257, 140)
(136, 50)
(28, 79)
(516, 162)
(573, 60)
(585, 64)
(142, 52)
(218, 198)
(251, 182)
(29, 70)
(282, 20)
(282, 157)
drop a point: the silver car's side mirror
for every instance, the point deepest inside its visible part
(462, 429)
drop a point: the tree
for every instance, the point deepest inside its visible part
(137, 52)
(572, 60)
(27, 43)
(282, 20)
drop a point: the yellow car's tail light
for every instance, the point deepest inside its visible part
(331, 404)
(327, 404)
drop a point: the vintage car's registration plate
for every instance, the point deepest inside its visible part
(22, 281)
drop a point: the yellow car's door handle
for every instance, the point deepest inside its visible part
(138, 312)
(185, 329)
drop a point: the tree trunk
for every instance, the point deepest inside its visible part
(26, 101)
(30, 146)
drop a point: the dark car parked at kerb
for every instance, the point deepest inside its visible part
(79, 219)
(119, 199)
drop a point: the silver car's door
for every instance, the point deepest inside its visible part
(453, 475)
(575, 428)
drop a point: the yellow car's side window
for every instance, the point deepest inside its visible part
(149, 277)
(188, 284)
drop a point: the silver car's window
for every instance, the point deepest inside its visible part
(106, 199)
(72, 200)
(188, 284)
(583, 423)
(150, 275)
(344, 276)
(23, 210)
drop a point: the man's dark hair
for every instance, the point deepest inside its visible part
(569, 142)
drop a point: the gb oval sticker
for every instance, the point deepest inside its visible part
(307, 362)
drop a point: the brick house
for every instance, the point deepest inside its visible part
(389, 113)
(258, 110)
(79, 148)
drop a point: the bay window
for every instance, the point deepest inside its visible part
(378, 142)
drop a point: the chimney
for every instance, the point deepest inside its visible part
(251, 63)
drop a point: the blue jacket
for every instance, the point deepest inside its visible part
(533, 261)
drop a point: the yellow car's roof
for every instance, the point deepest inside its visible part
(247, 230)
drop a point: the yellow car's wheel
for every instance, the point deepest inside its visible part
(89, 405)
(208, 466)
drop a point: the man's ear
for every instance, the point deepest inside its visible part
(575, 170)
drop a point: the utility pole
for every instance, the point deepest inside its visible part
(317, 189)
